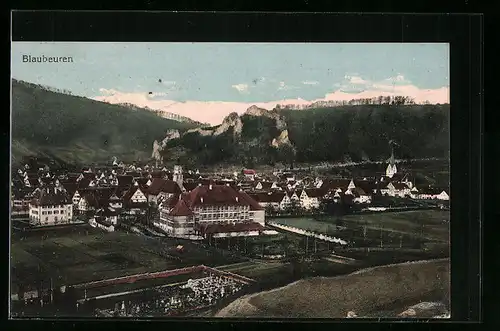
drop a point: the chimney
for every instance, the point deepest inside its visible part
(237, 199)
(210, 187)
(201, 199)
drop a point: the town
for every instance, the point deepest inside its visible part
(228, 219)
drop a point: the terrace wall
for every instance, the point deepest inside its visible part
(307, 233)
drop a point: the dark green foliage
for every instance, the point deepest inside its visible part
(364, 131)
(344, 133)
(79, 129)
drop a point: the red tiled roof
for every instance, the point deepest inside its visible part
(249, 171)
(254, 205)
(315, 192)
(366, 185)
(226, 228)
(50, 196)
(189, 186)
(156, 184)
(214, 195)
(358, 191)
(70, 188)
(268, 197)
(129, 193)
(181, 209)
(124, 180)
(333, 184)
(400, 186)
(169, 186)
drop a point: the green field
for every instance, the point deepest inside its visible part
(429, 224)
(310, 224)
(433, 224)
(76, 258)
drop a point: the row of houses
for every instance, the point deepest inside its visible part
(103, 194)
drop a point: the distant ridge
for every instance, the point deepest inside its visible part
(53, 123)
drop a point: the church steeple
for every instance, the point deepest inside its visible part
(392, 161)
(391, 168)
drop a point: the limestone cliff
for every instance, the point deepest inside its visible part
(158, 147)
(281, 140)
(232, 120)
(201, 131)
(256, 111)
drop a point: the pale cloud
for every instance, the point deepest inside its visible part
(213, 112)
(241, 87)
(310, 82)
(357, 80)
(284, 87)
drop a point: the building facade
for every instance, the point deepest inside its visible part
(50, 206)
(196, 212)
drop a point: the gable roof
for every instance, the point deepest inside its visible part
(266, 197)
(181, 209)
(315, 192)
(50, 196)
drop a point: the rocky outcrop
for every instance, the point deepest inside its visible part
(158, 147)
(281, 140)
(201, 131)
(232, 120)
(256, 111)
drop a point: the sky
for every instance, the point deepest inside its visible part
(235, 73)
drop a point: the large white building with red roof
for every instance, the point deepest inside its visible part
(212, 210)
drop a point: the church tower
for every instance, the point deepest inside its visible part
(178, 177)
(391, 168)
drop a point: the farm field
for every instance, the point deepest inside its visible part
(429, 224)
(434, 224)
(77, 258)
(309, 223)
(364, 292)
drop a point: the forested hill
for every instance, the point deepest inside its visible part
(364, 132)
(74, 129)
(338, 134)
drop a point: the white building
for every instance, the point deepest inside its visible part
(210, 209)
(311, 198)
(51, 205)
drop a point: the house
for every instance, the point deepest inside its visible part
(368, 185)
(87, 202)
(102, 224)
(50, 205)
(360, 195)
(169, 189)
(20, 199)
(262, 185)
(107, 216)
(135, 201)
(202, 211)
(395, 189)
(334, 184)
(274, 199)
(433, 193)
(249, 174)
(310, 198)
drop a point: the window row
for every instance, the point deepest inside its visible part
(55, 212)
